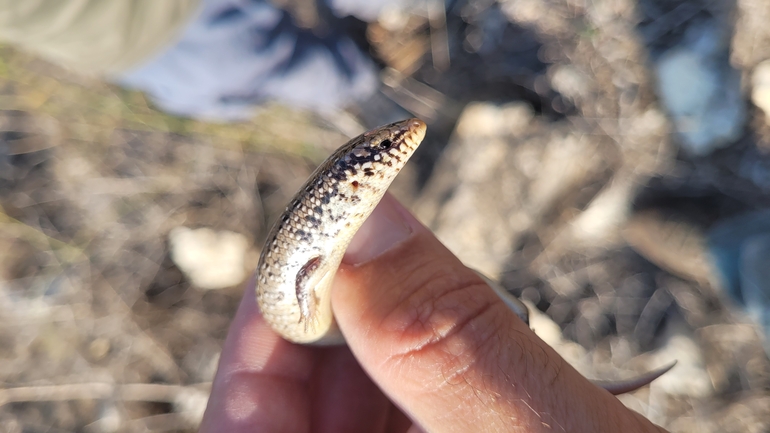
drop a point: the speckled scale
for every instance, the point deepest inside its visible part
(306, 245)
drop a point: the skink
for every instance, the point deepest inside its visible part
(305, 247)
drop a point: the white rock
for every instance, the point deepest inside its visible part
(689, 376)
(210, 259)
(569, 81)
(760, 92)
(481, 119)
(191, 405)
(607, 212)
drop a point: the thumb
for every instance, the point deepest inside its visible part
(438, 341)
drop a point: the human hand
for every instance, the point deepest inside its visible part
(430, 348)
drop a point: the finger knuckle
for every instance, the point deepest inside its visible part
(455, 330)
(451, 323)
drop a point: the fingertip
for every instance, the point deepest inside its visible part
(260, 375)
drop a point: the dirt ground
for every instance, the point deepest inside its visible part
(101, 331)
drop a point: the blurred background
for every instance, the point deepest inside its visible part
(607, 161)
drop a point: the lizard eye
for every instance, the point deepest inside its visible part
(384, 144)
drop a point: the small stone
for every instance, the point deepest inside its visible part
(191, 405)
(570, 82)
(99, 348)
(210, 259)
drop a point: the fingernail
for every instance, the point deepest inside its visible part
(388, 225)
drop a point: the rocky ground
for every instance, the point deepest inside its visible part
(554, 127)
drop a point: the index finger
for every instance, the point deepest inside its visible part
(261, 382)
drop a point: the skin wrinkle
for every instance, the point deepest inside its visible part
(478, 357)
(412, 273)
(441, 283)
(427, 312)
(475, 352)
(420, 321)
(431, 289)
